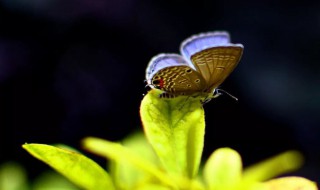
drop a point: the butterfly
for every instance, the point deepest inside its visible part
(206, 60)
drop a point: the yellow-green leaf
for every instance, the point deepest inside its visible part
(223, 169)
(121, 154)
(290, 183)
(124, 174)
(77, 168)
(272, 167)
(175, 129)
(152, 187)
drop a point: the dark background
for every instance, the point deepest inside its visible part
(75, 68)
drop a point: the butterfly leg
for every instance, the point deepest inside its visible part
(207, 99)
(216, 94)
(167, 95)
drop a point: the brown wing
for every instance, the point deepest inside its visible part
(178, 80)
(215, 64)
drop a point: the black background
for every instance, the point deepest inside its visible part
(71, 69)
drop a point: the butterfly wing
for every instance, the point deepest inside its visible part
(161, 61)
(213, 56)
(172, 74)
(216, 64)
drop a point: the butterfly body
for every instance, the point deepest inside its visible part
(206, 61)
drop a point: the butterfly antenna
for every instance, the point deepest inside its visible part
(225, 92)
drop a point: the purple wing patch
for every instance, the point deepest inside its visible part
(161, 61)
(199, 42)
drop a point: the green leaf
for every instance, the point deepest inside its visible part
(223, 170)
(272, 167)
(124, 155)
(13, 177)
(175, 129)
(77, 168)
(51, 180)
